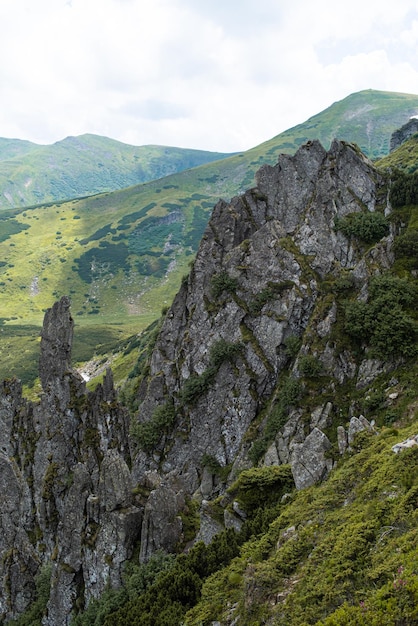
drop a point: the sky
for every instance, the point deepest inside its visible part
(220, 75)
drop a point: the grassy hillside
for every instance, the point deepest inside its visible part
(85, 165)
(121, 256)
(10, 148)
(404, 158)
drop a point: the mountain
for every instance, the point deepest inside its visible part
(268, 431)
(84, 165)
(10, 148)
(121, 256)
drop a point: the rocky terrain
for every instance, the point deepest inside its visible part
(250, 367)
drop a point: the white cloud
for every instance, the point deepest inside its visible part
(216, 75)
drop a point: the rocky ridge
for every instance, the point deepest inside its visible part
(248, 330)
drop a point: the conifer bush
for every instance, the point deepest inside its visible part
(366, 226)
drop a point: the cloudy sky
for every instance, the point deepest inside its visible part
(212, 74)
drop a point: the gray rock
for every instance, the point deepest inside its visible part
(308, 459)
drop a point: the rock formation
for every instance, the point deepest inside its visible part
(246, 333)
(66, 486)
(404, 133)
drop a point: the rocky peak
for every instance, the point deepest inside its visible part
(65, 481)
(56, 342)
(221, 355)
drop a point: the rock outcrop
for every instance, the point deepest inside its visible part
(223, 347)
(248, 332)
(404, 133)
(66, 486)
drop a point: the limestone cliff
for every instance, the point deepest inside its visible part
(252, 324)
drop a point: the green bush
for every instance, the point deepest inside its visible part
(292, 345)
(148, 434)
(404, 189)
(223, 282)
(309, 366)
(406, 245)
(260, 486)
(197, 384)
(382, 322)
(368, 227)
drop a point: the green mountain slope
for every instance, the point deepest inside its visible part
(85, 165)
(10, 148)
(404, 158)
(121, 255)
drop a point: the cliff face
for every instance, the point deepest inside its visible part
(234, 348)
(223, 349)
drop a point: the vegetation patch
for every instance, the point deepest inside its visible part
(195, 386)
(11, 227)
(287, 395)
(270, 292)
(221, 282)
(383, 322)
(107, 259)
(366, 226)
(148, 434)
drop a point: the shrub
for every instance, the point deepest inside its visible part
(223, 282)
(382, 322)
(309, 366)
(292, 345)
(404, 189)
(367, 226)
(148, 434)
(406, 245)
(259, 486)
(198, 384)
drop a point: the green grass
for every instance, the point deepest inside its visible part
(345, 549)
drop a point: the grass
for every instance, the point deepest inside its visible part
(345, 548)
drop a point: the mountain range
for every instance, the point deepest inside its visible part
(121, 255)
(32, 174)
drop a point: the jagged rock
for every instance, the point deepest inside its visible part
(293, 431)
(56, 343)
(68, 483)
(115, 485)
(308, 459)
(342, 440)
(369, 370)
(299, 198)
(357, 425)
(320, 417)
(271, 457)
(404, 133)
(19, 562)
(255, 284)
(161, 526)
(209, 527)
